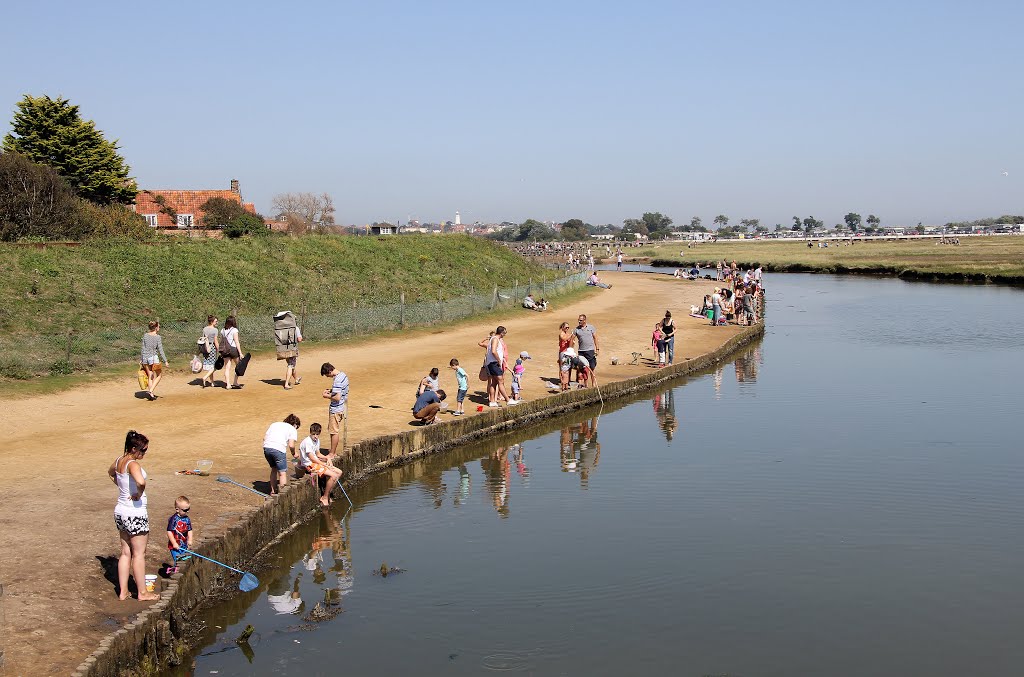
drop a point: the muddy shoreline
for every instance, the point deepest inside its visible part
(164, 633)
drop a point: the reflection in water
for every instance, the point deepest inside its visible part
(579, 449)
(331, 537)
(665, 412)
(497, 472)
(747, 364)
(465, 485)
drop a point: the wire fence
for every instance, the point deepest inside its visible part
(83, 351)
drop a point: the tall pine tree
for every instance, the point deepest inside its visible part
(52, 132)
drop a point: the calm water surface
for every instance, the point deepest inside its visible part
(841, 499)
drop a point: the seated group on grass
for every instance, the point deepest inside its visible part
(531, 304)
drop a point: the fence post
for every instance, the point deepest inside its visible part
(472, 302)
(401, 310)
(544, 285)
(440, 306)
(355, 322)
(67, 354)
(302, 320)
(529, 288)
(494, 297)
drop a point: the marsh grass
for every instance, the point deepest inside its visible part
(994, 257)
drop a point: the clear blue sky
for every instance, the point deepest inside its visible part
(551, 110)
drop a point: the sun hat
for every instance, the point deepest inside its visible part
(569, 351)
(525, 355)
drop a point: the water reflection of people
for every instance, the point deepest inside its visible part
(517, 457)
(333, 536)
(497, 472)
(718, 382)
(283, 600)
(589, 449)
(665, 412)
(746, 367)
(465, 485)
(579, 450)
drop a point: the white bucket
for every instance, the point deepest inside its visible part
(150, 582)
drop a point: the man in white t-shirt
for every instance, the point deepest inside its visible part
(280, 439)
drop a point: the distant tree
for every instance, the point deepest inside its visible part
(873, 221)
(810, 223)
(532, 230)
(637, 226)
(758, 228)
(35, 201)
(656, 221)
(220, 211)
(575, 230)
(778, 227)
(246, 224)
(695, 223)
(750, 224)
(852, 221)
(304, 212)
(52, 132)
(796, 223)
(919, 228)
(721, 221)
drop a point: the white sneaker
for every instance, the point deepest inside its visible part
(492, 404)
(513, 402)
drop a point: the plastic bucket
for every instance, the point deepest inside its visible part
(150, 582)
(203, 466)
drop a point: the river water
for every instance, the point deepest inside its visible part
(843, 498)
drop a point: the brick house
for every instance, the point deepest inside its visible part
(186, 203)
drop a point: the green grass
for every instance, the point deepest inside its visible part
(104, 293)
(999, 258)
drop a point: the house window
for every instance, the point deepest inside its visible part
(184, 220)
(151, 220)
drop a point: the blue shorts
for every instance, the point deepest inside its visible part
(494, 369)
(461, 396)
(276, 459)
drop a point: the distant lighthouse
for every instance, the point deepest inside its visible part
(458, 219)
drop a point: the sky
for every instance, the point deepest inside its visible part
(550, 110)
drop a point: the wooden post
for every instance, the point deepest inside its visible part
(355, 322)
(302, 320)
(67, 355)
(401, 311)
(472, 302)
(494, 297)
(440, 306)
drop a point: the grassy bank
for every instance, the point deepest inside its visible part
(996, 258)
(77, 308)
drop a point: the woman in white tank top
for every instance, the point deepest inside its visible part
(131, 516)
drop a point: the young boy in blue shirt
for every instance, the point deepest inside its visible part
(463, 379)
(179, 532)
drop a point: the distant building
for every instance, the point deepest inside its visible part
(384, 229)
(458, 219)
(186, 204)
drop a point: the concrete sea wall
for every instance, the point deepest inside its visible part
(155, 638)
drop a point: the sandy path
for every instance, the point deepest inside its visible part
(58, 604)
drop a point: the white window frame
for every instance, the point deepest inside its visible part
(185, 221)
(151, 220)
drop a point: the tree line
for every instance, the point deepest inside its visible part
(61, 178)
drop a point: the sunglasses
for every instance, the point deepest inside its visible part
(182, 509)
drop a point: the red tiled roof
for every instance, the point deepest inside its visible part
(183, 202)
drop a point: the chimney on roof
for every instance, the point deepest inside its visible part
(234, 187)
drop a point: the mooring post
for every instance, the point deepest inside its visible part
(401, 310)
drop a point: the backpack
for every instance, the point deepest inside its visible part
(285, 339)
(204, 346)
